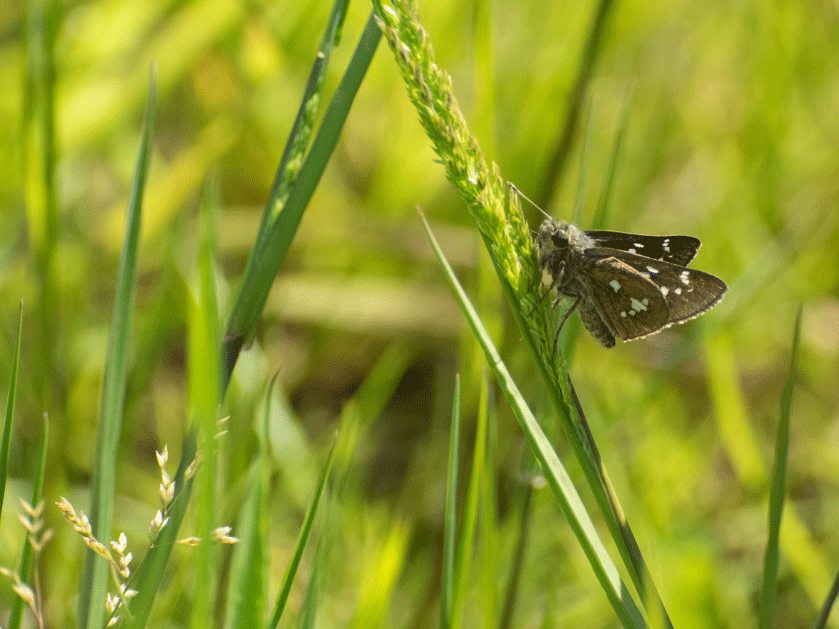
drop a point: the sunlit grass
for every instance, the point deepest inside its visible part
(725, 121)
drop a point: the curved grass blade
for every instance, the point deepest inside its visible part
(27, 557)
(246, 594)
(561, 485)
(776, 490)
(6, 442)
(94, 582)
(447, 586)
(204, 391)
(291, 572)
(824, 612)
(556, 163)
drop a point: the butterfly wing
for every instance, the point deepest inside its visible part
(674, 249)
(630, 303)
(687, 292)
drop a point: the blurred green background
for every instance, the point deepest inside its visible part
(731, 136)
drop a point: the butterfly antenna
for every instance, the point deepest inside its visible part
(526, 198)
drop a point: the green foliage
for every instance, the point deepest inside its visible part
(716, 121)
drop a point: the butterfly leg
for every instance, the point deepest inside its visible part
(561, 323)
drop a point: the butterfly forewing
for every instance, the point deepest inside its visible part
(632, 304)
(675, 249)
(689, 292)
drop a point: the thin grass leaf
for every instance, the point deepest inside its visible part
(308, 614)
(556, 163)
(266, 258)
(27, 556)
(580, 194)
(204, 391)
(824, 612)
(465, 542)
(95, 580)
(246, 593)
(380, 577)
(777, 487)
(511, 590)
(6, 442)
(303, 537)
(447, 587)
(489, 526)
(561, 485)
(601, 212)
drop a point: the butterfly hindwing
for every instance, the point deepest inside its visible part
(632, 304)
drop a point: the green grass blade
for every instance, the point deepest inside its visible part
(204, 401)
(27, 557)
(561, 485)
(447, 590)
(559, 157)
(601, 212)
(266, 260)
(301, 130)
(824, 612)
(6, 442)
(466, 537)
(511, 590)
(778, 484)
(291, 572)
(246, 594)
(94, 583)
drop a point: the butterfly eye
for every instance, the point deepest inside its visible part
(559, 241)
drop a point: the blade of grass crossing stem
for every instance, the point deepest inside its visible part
(6, 442)
(561, 485)
(285, 589)
(204, 391)
(447, 591)
(259, 276)
(776, 489)
(470, 513)
(246, 594)
(27, 556)
(94, 584)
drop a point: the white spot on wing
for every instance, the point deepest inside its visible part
(638, 244)
(678, 291)
(664, 290)
(683, 277)
(652, 269)
(615, 284)
(637, 305)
